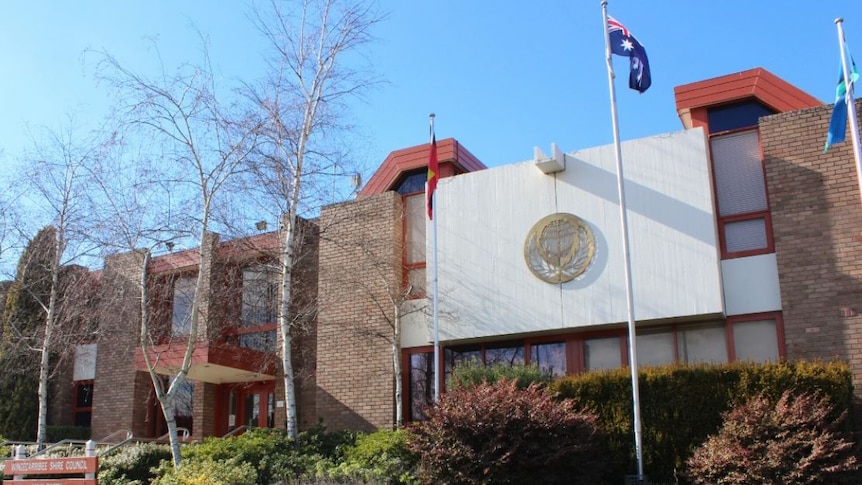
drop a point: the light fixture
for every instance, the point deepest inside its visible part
(260, 225)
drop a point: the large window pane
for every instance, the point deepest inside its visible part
(262, 341)
(739, 176)
(504, 355)
(550, 357)
(414, 227)
(184, 405)
(756, 341)
(655, 348)
(259, 296)
(421, 384)
(456, 357)
(602, 353)
(184, 297)
(745, 235)
(703, 343)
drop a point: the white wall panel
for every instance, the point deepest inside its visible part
(751, 284)
(486, 288)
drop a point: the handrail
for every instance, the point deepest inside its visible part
(70, 442)
(121, 434)
(235, 431)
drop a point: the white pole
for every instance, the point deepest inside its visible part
(438, 371)
(633, 354)
(851, 105)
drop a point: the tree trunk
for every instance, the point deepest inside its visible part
(286, 261)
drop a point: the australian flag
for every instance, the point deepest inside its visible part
(623, 43)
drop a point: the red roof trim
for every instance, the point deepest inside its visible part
(758, 83)
(409, 159)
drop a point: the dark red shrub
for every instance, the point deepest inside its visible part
(789, 441)
(496, 433)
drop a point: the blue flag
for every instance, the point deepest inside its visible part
(838, 121)
(623, 43)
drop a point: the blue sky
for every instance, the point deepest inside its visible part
(502, 76)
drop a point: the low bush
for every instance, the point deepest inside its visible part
(380, 457)
(497, 433)
(132, 465)
(473, 373)
(789, 441)
(683, 404)
(212, 472)
(57, 433)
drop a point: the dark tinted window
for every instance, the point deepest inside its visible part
(412, 182)
(736, 116)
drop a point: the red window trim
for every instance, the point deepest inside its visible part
(81, 409)
(405, 266)
(750, 317)
(765, 214)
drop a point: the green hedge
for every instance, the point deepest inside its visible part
(681, 405)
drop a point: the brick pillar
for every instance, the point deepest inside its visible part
(360, 262)
(117, 388)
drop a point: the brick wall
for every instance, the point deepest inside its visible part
(817, 223)
(116, 380)
(359, 267)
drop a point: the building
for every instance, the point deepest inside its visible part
(744, 244)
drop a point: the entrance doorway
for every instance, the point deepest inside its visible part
(251, 405)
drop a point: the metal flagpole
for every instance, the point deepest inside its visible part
(848, 99)
(633, 354)
(437, 370)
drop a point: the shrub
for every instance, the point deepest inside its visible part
(262, 448)
(789, 441)
(473, 373)
(681, 405)
(497, 433)
(212, 472)
(132, 465)
(380, 457)
(57, 433)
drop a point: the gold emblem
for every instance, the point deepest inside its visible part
(559, 248)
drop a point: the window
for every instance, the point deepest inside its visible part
(740, 187)
(735, 116)
(656, 348)
(184, 297)
(414, 243)
(702, 343)
(412, 182)
(184, 405)
(259, 296)
(505, 354)
(83, 403)
(756, 340)
(262, 341)
(602, 353)
(421, 387)
(550, 357)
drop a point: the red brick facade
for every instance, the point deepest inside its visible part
(360, 268)
(817, 225)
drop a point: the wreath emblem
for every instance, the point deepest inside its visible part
(559, 248)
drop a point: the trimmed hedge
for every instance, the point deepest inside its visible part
(473, 373)
(682, 405)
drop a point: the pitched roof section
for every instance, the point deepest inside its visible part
(757, 83)
(410, 159)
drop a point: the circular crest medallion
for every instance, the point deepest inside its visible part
(559, 248)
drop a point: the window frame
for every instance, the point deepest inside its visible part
(765, 214)
(76, 407)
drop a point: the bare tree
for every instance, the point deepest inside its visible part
(200, 144)
(301, 104)
(57, 177)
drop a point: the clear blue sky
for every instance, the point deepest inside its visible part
(502, 76)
